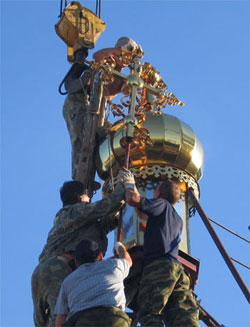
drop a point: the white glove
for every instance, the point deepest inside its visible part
(127, 178)
(119, 177)
(116, 248)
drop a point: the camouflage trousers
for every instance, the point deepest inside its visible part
(46, 282)
(165, 295)
(100, 317)
(74, 112)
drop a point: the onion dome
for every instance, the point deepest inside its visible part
(172, 150)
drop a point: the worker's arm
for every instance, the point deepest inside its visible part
(110, 222)
(121, 253)
(77, 215)
(133, 197)
(60, 319)
(140, 214)
(91, 211)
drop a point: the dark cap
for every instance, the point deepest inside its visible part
(86, 251)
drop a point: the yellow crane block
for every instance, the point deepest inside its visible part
(78, 27)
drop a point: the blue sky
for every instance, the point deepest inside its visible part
(201, 49)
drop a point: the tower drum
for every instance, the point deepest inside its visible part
(165, 148)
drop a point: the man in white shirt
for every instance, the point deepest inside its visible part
(93, 295)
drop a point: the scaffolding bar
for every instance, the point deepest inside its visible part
(207, 318)
(219, 245)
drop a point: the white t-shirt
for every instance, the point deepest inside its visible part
(92, 285)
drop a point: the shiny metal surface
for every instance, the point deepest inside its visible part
(174, 144)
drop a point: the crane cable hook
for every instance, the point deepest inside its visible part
(97, 8)
(61, 7)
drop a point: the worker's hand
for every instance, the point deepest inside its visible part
(116, 249)
(119, 177)
(127, 178)
(121, 252)
(121, 174)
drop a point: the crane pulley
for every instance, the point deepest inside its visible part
(78, 27)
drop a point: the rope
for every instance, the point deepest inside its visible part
(111, 169)
(235, 234)
(241, 263)
(109, 148)
(66, 76)
(60, 87)
(229, 230)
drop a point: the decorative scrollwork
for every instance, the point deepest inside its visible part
(148, 177)
(104, 66)
(145, 101)
(157, 171)
(145, 91)
(141, 137)
(125, 100)
(150, 75)
(117, 109)
(167, 99)
(127, 57)
(145, 175)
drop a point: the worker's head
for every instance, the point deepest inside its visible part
(126, 43)
(73, 192)
(87, 251)
(168, 190)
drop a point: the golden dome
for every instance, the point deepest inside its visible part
(174, 145)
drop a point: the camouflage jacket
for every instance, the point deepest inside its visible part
(83, 220)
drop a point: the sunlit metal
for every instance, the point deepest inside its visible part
(168, 142)
(161, 146)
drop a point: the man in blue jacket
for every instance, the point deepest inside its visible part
(164, 292)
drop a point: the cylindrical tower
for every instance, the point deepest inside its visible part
(174, 152)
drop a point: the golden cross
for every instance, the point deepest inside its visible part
(136, 83)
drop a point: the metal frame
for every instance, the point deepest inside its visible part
(219, 245)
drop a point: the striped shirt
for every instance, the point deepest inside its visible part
(92, 285)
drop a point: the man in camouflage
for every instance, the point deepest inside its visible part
(93, 295)
(78, 219)
(78, 84)
(164, 293)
